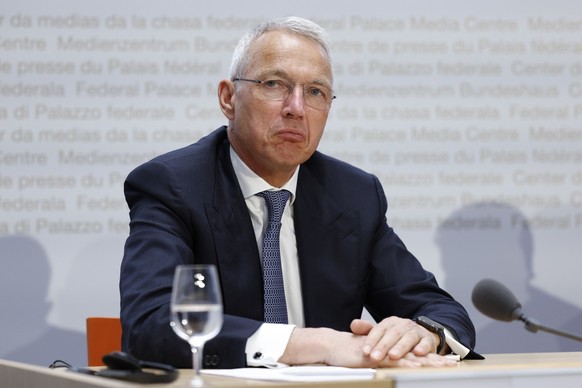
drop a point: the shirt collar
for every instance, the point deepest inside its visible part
(251, 184)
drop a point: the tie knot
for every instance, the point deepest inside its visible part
(275, 201)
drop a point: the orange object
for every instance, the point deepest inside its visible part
(103, 336)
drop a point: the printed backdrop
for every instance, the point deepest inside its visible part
(470, 115)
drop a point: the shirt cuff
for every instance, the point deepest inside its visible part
(268, 344)
(456, 346)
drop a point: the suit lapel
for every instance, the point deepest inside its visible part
(327, 246)
(235, 244)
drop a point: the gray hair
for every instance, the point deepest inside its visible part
(241, 59)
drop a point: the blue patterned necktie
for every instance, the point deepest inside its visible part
(274, 292)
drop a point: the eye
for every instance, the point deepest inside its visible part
(314, 91)
(274, 84)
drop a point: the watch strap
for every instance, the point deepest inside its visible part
(433, 327)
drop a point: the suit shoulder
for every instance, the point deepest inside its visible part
(324, 164)
(193, 155)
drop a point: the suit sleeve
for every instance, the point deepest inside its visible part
(160, 238)
(397, 275)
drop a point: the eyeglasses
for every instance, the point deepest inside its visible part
(316, 96)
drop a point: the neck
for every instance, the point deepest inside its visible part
(277, 181)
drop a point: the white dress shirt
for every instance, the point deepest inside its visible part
(268, 343)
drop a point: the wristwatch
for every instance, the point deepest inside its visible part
(434, 327)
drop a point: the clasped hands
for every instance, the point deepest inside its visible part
(393, 342)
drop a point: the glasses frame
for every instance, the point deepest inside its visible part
(259, 82)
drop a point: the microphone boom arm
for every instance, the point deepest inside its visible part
(534, 326)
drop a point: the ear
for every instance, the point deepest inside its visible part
(226, 98)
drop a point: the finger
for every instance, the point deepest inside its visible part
(412, 361)
(418, 340)
(426, 345)
(401, 363)
(431, 359)
(378, 340)
(406, 343)
(392, 332)
(361, 327)
(388, 333)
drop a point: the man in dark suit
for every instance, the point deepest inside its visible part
(199, 204)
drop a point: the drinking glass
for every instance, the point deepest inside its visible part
(196, 309)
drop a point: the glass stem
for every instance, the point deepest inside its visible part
(196, 359)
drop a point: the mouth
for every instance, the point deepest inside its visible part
(291, 135)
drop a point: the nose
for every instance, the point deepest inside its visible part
(294, 104)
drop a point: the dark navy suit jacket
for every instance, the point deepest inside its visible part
(186, 207)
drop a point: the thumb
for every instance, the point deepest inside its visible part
(361, 327)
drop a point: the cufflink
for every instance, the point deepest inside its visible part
(258, 355)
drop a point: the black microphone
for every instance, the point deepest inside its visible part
(496, 301)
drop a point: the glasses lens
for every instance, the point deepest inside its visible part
(316, 96)
(273, 90)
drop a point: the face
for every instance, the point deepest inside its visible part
(274, 137)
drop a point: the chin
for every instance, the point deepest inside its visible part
(294, 157)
